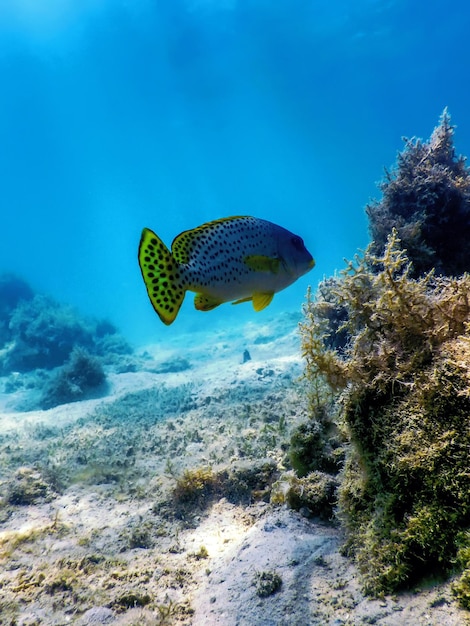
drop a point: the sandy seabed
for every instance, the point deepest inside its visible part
(104, 532)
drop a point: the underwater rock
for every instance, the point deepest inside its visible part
(38, 332)
(240, 482)
(426, 198)
(43, 334)
(81, 376)
(131, 600)
(97, 615)
(314, 495)
(402, 392)
(314, 446)
(13, 290)
(267, 583)
(245, 481)
(172, 366)
(27, 487)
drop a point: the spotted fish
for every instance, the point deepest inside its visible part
(233, 259)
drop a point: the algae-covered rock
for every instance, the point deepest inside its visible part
(266, 583)
(406, 489)
(27, 486)
(461, 587)
(13, 290)
(43, 334)
(426, 197)
(313, 495)
(81, 376)
(403, 400)
(36, 331)
(315, 446)
(239, 482)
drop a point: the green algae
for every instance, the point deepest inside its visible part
(402, 386)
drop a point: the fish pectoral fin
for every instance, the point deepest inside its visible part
(160, 276)
(262, 300)
(260, 263)
(249, 299)
(205, 303)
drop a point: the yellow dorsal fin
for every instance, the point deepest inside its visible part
(260, 263)
(162, 276)
(205, 303)
(262, 300)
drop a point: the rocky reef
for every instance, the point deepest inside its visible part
(387, 349)
(426, 198)
(50, 351)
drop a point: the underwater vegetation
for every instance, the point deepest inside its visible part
(38, 332)
(241, 482)
(51, 354)
(397, 383)
(82, 375)
(266, 583)
(426, 197)
(313, 495)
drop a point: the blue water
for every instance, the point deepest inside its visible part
(116, 115)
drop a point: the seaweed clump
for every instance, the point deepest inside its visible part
(426, 197)
(402, 390)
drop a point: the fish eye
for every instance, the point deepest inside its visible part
(298, 243)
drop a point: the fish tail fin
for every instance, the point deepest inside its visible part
(162, 276)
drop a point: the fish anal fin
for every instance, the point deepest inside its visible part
(205, 303)
(161, 275)
(262, 300)
(249, 299)
(260, 263)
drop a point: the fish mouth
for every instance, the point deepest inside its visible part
(311, 265)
